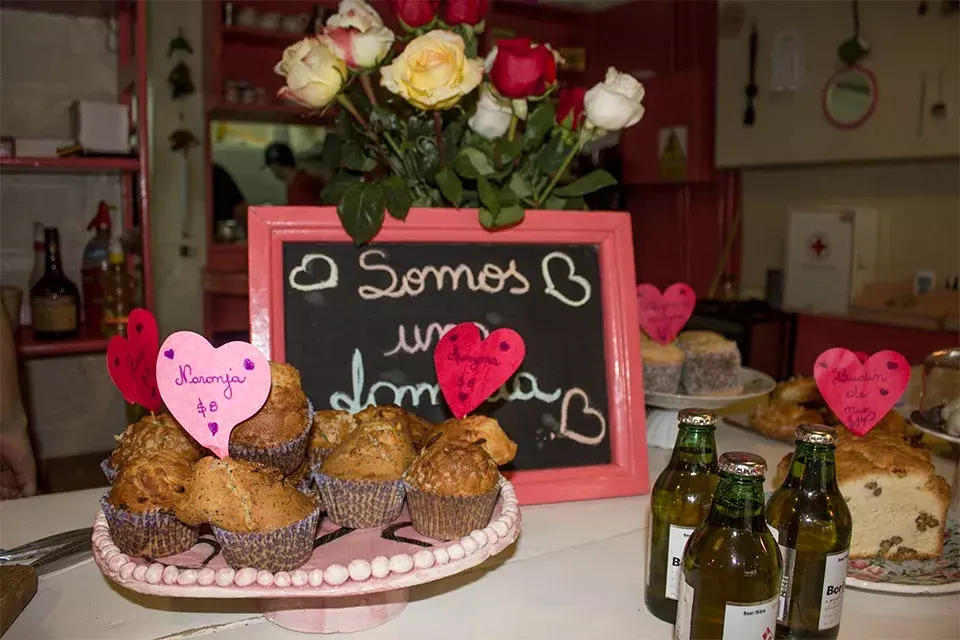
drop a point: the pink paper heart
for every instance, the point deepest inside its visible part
(210, 391)
(470, 370)
(132, 361)
(662, 316)
(861, 394)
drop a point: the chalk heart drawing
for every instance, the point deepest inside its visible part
(132, 361)
(471, 369)
(551, 288)
(567, 432)
(330, 282)
(663, 315)
(861, 393)
(210, 391)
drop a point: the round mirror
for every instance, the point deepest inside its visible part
(850, 97)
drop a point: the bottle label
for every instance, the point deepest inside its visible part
(675, 545)
(834, 577)
(754, 621)
(55, 314)
(789, 557)
(683, 626)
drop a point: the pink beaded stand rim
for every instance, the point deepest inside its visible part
(348, 578)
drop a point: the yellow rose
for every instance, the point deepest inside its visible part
(433, 72)
(314, 75)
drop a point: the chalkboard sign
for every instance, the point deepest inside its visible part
(360, 323)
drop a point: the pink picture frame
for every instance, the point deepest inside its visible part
(628, 473)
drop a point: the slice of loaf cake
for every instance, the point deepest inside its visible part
(898, 504)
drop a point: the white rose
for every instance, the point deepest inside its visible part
(314, 75)
(492, 118)
(355, 14)
(615, 103)
(359, 49)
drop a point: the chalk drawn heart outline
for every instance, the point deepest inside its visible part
(329, 283)
(551, 288)
(588, 410)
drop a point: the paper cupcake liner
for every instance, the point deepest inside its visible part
(360, 504)
(108, 471)
(153, 534)
(449, 517)
(286, 457)
(283, 549)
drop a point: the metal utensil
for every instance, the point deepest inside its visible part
(939, 109)
(31, 550)
(67, 555)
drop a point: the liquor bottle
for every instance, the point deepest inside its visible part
(731, 567)
(810, 520)
(95, 263)
(54, 300)
(679, 502)
(119, 295)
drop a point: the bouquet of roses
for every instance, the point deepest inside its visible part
(440, 126)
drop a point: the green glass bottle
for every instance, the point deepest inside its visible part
(731, 567)
(679, 502)
(810, 521)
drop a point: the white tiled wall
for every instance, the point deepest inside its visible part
(46, 62)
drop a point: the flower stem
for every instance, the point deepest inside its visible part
(563, 169)
(392, 144)
(513, 127)
(368, 89)
(351, 108)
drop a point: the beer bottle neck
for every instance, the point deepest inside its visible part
(813, 468)
(695, 449)
(738, 504)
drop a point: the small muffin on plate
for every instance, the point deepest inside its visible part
(662, 367)
(260, 520)
(452, 489)
(798, 390)
(418, 428)
(140, 505)
(476, 429)
(329, 429)
(276, 435)
(148, 434)
(360, 481)
(780, 421)
(711, 364)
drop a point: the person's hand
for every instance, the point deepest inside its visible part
(18, 470)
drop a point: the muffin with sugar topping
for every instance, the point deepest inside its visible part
(149, 434)
(418, 428)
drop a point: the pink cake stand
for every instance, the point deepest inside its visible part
(355, 579)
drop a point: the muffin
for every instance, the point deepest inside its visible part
(711, 364)
(277, 434)
(329, 429)
(480, 430)
(260, 520)
(148, 434)
(418, 428)
(141, 503)
(662, 367)
(452, 489)
(360, 481)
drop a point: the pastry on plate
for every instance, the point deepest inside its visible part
(148, 434)
(329, 429)
(476, 429)
(417, 427)
(797, 390)
(662, 367)
(711, 364)
(780, 421)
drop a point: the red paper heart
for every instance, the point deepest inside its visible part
(132, 361)
(662, 316)
(470, 370)
(861, 394)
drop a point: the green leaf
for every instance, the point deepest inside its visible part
(519, 187)
(510, 216)
(396, 197)
(419, 126)
(428, 156)
(361, 211)
(384, 119)
(452, 135)
(353, 157)
(508, 198)
(472, 163)
(551, 156)
(487, 221)
(338, 185)
(538, 125)
(509, 149)
(488, 196)
(576, 204)
(555, 203)
(450, 185)
(593, 181)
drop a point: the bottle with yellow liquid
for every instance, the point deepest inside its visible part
(119, 293)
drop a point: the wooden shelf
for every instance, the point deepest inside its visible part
(89, 340)
(256, 35)
(71, 165)
(87, 8)
(272, 113)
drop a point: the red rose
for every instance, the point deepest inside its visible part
(570, 107)
(522, 69)
(415, 13)
(466, 11)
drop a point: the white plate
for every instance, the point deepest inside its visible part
(917, 420)
(755, 384)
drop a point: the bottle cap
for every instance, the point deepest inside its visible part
(697, 417)
(816, 434)
(739, 463)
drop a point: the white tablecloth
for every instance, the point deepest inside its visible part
(576, 573)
